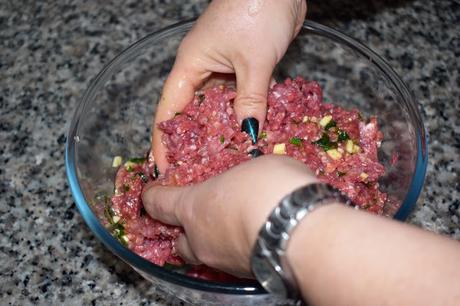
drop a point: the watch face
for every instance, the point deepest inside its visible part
(267, 275)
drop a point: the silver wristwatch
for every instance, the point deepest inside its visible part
(267, 262)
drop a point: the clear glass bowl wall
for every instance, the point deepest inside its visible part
(115, 114)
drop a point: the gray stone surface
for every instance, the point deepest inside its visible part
(49, 51)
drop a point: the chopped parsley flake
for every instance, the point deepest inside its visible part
(295, 141)
(339, 173)
(137, 160)
(118, 231)
(108, 213)
(330, 124)
(343, 136)
(325, 143)
(222, 139)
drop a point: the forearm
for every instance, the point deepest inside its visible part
(344, 257)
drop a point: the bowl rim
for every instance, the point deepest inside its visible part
(139, 263)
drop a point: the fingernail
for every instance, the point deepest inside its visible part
(251, 127)
(256, 153)
(156, 172)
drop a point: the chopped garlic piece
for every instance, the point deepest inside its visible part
(279, 148)
(115, 219)
(334, 154)
(117, 160)
(305, 119)
(325, 120)
(349, 146)
(363, 175)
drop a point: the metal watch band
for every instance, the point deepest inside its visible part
(267, 262)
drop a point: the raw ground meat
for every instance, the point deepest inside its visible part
(205, 140)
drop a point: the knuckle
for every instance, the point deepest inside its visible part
(253, 100)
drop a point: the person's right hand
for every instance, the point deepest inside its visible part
(223, 215)
(232, 38)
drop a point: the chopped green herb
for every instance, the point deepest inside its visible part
(118, 231)
(295, 141)
(129, 169)
(325, 143)
(222, 139)
(125, 188)
(108, 213)
(343, 136)
(339, 173)
(263, 135)
(137, 160)
(331, 124)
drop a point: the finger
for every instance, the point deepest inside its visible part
(251, 100)
(163, 203)
(178, 91)
(185, 250)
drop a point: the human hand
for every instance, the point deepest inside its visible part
(223, 215)
(232, 38)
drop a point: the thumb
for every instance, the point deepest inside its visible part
(164, 203)
(252, 85)
(178, 91)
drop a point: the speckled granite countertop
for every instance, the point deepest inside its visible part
(50, 50)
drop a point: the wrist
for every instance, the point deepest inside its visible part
(269, 257)
(258, 214)
(310, 241)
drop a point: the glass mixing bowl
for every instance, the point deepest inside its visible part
(115, 114)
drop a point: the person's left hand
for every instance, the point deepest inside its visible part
(242, 39)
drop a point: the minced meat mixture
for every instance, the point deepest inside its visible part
(205, 139)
